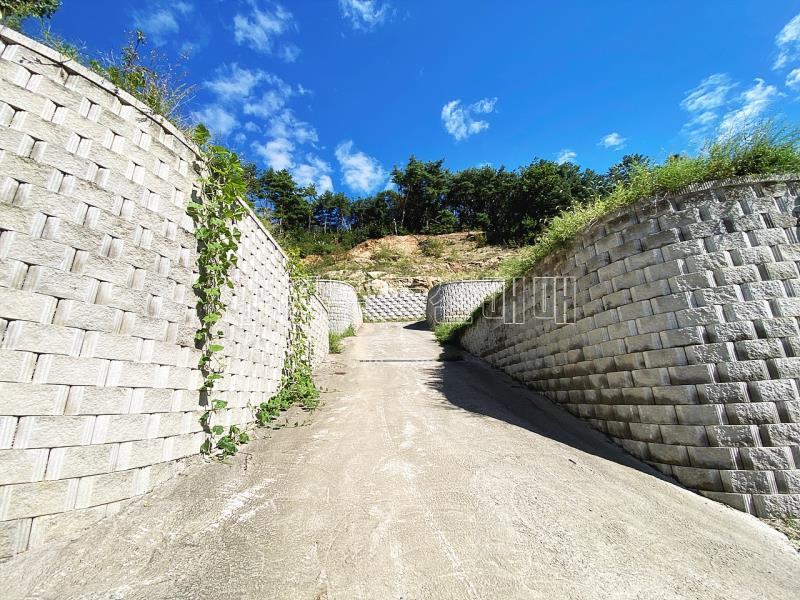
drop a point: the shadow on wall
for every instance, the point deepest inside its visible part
(470, 384)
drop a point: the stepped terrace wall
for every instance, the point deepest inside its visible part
(684, 346)
(99, 391)
(455, 301)
(398, 307)
(341, 300)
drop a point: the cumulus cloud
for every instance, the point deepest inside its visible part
(314, 171)
(788, 43)
(460, 121)
(234, 82)
(793, 80)
(219, 121)
(566, 155)
(361, 173)
(753, 103)
(365, 15)
(277, 153)
(260, 28)
(613, 141)
(160, 19)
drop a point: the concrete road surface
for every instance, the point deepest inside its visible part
(418, 478)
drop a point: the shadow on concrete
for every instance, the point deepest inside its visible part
(468, 383)
(418, 326)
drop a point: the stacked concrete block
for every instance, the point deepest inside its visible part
(399, 307)
(455, 301)
(341, 300)
(317, 331)
(99, 390)
(684, 340)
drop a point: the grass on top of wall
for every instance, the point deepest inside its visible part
(762, 149)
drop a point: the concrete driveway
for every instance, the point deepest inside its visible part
(418, 478)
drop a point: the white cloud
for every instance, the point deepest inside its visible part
(314, 171)
(702, 104)
(287, 125)
(614, 141)
(365, 15)
(753, 103)
(793, 80)
(219, 121)
(290, 52)
(161, 19)
(459, 120)
(361, 173)
(276, 153)
(710, 94)
(788, 43)
(566, 155)
(261, 27)
(234, 82)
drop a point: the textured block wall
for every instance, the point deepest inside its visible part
(99, 392)
(394, 308)
(341, 300)
(455, 301)
(685, 345)
(317, 331)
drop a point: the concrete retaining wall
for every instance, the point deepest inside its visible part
(99, 395)
(318, 331)
(455, 301)
(685, 346)
(394, 308)
(341, 300)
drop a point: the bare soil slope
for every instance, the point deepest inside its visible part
(411, 263)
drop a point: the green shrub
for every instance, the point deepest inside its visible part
(432, 247)
(13, 12)
(385, 253)
(449, 333)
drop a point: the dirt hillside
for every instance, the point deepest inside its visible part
(411, 263)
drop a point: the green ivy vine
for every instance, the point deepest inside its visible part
(297, 383)
(216, 214)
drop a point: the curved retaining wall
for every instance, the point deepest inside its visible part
(685, 346)
(394, 308)
(455, 301)
(99, 391)
(341, 300)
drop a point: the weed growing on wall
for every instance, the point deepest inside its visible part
(297, 382)
(449, 333)
(216, 214)
(335, 340)
(149, 77)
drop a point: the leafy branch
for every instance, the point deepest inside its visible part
(216, 215)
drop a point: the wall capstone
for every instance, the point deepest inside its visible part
(685, 346)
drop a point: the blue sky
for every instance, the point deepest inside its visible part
(340, 91)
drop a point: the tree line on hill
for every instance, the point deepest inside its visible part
(511, 206)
